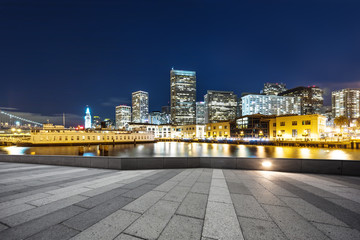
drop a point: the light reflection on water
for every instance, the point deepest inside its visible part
(182, 149)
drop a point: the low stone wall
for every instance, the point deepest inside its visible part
(340, 167)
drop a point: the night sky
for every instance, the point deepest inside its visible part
(59, 56)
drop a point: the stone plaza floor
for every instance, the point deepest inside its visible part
(55, 202)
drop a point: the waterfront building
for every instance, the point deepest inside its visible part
(159, 118)
(122, 116)
(273, 88)
(58, 135)
(220, 106)
(251, 126)
(159, 131)
(140, 107)
(301, 127)
(87, 118)
(200, 112)
(312, 99)
(195, 131)
(218, 130)
(346, 102)
(270, 105)
(183, 97)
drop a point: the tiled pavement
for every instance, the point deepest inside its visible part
(53, 202)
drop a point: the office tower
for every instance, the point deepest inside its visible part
(87, 118)
(159, 118)
(96, 122)
(140, 107)
(270, 105)
(312, 98)
(165, 109)
(273, 88)
(183, 97)
(200, 112)
(220, 106)
(122, 116)
(346, 102)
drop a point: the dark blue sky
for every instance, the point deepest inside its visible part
(58, 56)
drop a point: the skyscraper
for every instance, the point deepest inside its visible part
(140, 107)
(273, 88)
(183, 97)
(122, 116)
(270, 105)
(220, 106)
(311, 98)
(346, 102)
(87, 118)
(200, 112)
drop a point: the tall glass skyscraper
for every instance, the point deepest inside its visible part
(140, 107)
(183, 97)
(122, 116)
(200, 112)
(220, 106)
(346, 102)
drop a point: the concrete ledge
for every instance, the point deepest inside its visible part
(321, 166)
(150, 163)
(340, 167)
(175, 162)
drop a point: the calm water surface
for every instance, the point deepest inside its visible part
(181, 149)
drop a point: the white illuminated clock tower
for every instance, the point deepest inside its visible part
(87, 118)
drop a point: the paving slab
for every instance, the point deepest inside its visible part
(56, 232)
(247, 206)
(41, 211)
(152, 222)
(109, 227)
(177, 194)
(293, 225)
(143, 203)
(221, 222)
(257, 229)
(30, 228)
(310, 212)
(338, 233)
(94, 215)
(194, 205)
(181, 227)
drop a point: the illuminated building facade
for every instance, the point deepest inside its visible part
(270, 105)
(158, 118)
(312, 99)
(273, 88)
(220, 106)
(183, 97)
(191, 131)
(346, 102)
(140, 107)
(87, 118)
(159, 131)
(200, 112)
(218, 130)
(300, 127)
(252, 126)
(122, 116)
(96, 122)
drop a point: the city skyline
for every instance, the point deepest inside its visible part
(96, 54)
